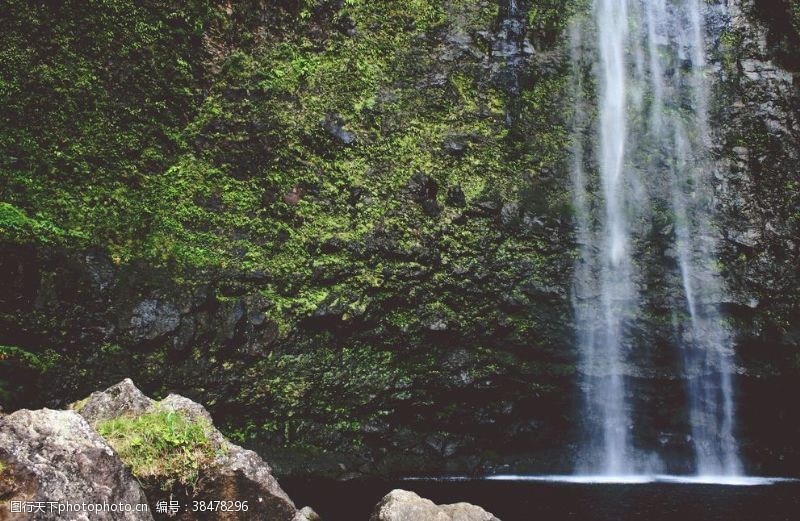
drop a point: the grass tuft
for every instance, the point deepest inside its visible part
(163, 446)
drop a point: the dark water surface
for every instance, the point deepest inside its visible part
(546, 501)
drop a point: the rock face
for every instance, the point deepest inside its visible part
(340, 248)
(759, 204)
(236, 474)
(55, 456)
(402, 505)
(423, 223)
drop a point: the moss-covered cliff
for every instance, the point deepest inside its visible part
(336, 221)
(344, 224)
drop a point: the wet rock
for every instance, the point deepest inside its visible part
(532, 224)
(456, 197)
(100, 269)
(761, 71)
(431, 207)
(443, 446)
(357, 194)
(186, 333)
(402, 505)
(487, 207)
(437, 324)
(231, 315)
(746, 238)
(347, 27)
(257, 275)
(55, 456)
(334, 126)
(510, 47)
(455, 146)
(458, 364)
(152, 318)
(433, 80)
(459, 46)
(424, 189)
(509, 214)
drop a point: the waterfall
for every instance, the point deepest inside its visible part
(646, 148)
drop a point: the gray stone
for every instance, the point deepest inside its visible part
(307, 514)
(455, 145)
(55, 456)
(402, 505)
(509, 213)
(100, 269)
(119, 399)
(152, 318)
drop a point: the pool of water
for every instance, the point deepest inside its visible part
(556, 498)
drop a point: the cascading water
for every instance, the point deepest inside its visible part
(649, 144)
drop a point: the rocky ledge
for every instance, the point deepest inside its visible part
(119, 450)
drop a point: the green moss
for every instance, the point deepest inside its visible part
(39, 361)
(79, 405)
(17, 227)
(192, 139)
(22, 371)
(162, 446)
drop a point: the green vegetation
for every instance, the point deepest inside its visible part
(16, 227)
(26, 365)
(351, 227)
(77, 406)
(42, 362)
(163, 446)
(362, 169)
(782, 18)
(159, 140)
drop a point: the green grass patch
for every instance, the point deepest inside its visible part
(79, 405)
(162, 446)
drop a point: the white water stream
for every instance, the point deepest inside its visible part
(650, 141)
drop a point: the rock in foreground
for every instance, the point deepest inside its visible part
(402, 505)
(53, 459)
(220, 470)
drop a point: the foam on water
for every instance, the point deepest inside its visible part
(577, 479)
(633, 479)
(738, 481)
(735, 481)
